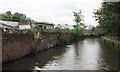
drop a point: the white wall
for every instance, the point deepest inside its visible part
(49, 27)
(1, 25)
(24, 27)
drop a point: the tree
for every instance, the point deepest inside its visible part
(16, 17)
(78, 18)
(108, 17)
(6, 16)
(98, 31)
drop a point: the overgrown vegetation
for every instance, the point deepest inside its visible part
(37, 38)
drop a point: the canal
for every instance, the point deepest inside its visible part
(86, 54)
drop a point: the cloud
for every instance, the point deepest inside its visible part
(56, 11)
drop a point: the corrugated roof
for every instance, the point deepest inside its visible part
(9, 23)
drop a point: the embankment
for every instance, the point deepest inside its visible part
(116, 43)
(17, 45)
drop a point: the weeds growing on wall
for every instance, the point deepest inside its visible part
(37, 38)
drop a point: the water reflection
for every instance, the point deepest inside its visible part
(87, 54)
(28, 62)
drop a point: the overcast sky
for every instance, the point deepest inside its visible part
(56, 11)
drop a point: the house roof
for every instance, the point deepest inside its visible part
(43, 23)
(5, 24)
(24, 23)
(9, 23)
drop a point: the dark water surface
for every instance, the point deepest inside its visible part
(87, 54)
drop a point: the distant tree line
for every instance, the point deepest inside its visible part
(108, 17)
(16, 17)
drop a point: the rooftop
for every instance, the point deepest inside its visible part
(9, 23)
(44, 23)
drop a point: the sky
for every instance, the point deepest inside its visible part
(55, 11)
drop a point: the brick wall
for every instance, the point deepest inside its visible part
(15, 46)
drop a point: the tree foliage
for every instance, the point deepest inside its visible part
(98, 31)
(108, 17)
(16, 17)
(78, 18)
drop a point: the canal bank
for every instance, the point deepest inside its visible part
(85, 54)
(17, 45)
(114, 42)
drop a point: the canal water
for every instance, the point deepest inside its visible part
(86, 54)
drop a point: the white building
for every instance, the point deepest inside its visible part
(45, 25)
(24, 26)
